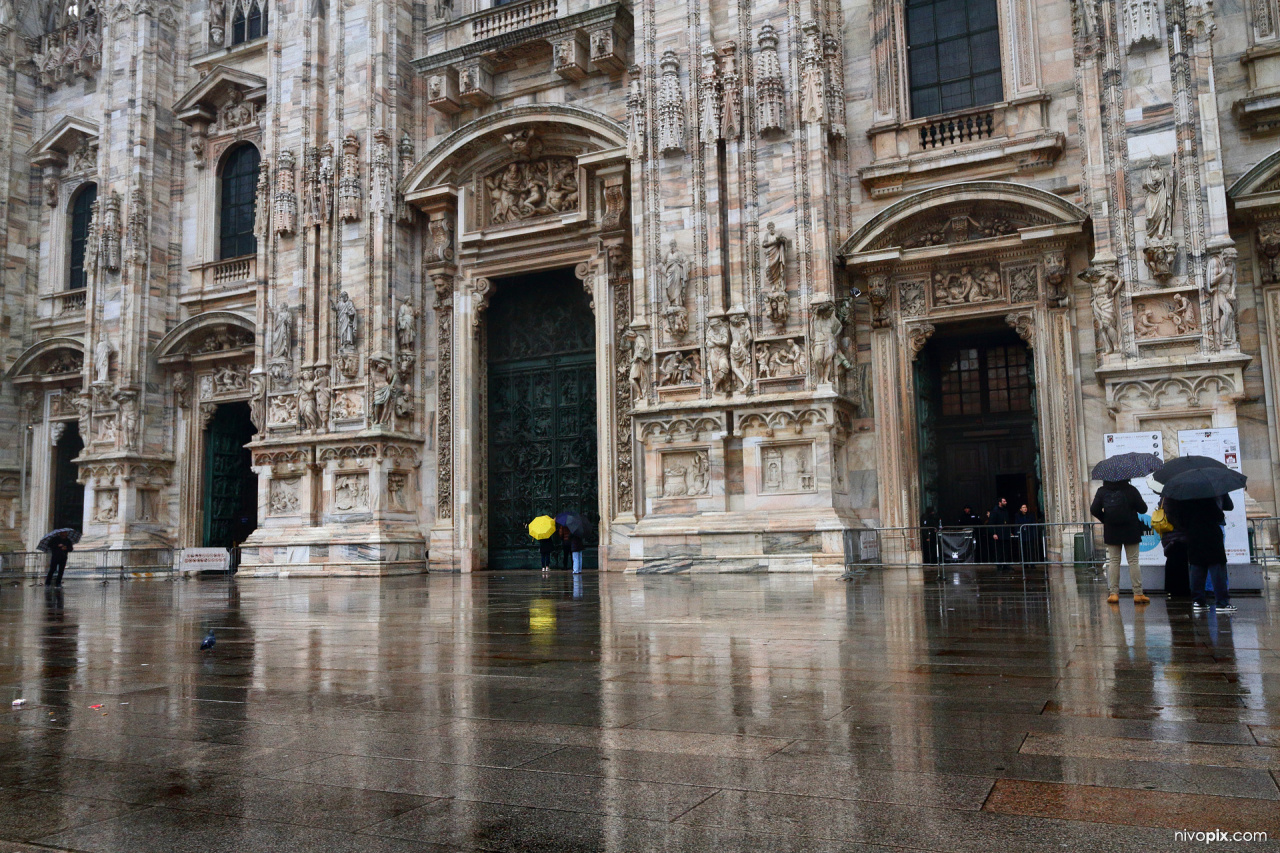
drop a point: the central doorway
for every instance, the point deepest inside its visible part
(540, 340)
(230, 486)
(68, 493)
(976, 411)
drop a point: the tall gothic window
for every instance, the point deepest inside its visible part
(249, 21)
(236, 210)
(81, 213)
(953, 47)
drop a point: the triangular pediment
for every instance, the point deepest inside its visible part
(201, 102)
(64, 138)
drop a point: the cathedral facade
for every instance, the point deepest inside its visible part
(365, 285)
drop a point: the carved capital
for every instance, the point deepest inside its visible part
(481, 290)
(1024, 323)
(917, 337)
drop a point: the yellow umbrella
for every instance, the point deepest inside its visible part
(542, 527)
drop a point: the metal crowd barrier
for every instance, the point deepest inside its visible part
(99, 564)
(1076, 543)
(1264, 541)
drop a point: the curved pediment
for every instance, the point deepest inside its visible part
(211, 332)
(484, 144)
(962, 213)
(53, 357)
(1260, 182)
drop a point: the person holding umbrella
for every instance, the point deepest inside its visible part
(58, 544)
(1117, 505)
(1196, 491)
(541, 529)
(573, 531)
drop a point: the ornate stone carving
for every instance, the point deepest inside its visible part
(257, 401)
(405, 151)
(385, 390)
(1183, 315)
(286, 201)
(351, 492)
(397, 487)
(878, 296)
(138, 241)
(182, 389)
(348, 404)
(740, 351)
(780, 359)
(236, 113)
(640, 356)
(262, 208)
(83, 158)
(481, 289)
(381, 191)
(283, 496)
(1269, 251)
(675, 282)
(812, 76)
(127, 406)
(786, 468)
(670, 106)
(527, 189)
(833, 57)
(440, 246)
(955, 227)
(679, 368)
(106, 503)
(282, 410)
(102, 361)
(685, 474)
(350, 195)
(917, 336)
(1175, 391)
(1141, 22)
(1106, 286)
(52, 189)
(109, 235)
(771, 108)
(718, 339)
(1221, 292)
(444, 403)
(56, 431)
(968, 286)
(217, 23)
(1055, 279)
(1161, 249)
(712, 105)
(281, 330)
(829, 361)
(731, 93)
(347, 321)
(1024, 284)
(84, 409)
(406, 326)
(774, 246)
(615, 205)
(308, 408)
(1024, 323)
(912, 298)
(636, 138)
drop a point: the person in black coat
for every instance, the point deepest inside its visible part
(1117, 505)
(58, 550)
(1000, 533)
(929, 524)
(1029, 536)
(1201, 520)
(1177, 581)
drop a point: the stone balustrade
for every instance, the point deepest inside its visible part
(956, 129)
(233, 271)
(506, 19)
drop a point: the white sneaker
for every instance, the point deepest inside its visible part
(1198, 607)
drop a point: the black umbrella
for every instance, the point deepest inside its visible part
(1182, 464)
(1203, 483)
(69, 533)
(578, 526)
(1126, 466)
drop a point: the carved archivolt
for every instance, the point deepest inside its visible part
(1173, 391)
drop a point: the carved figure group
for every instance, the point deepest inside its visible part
(779, 359)
(523, 190)
(967, 286)
(685, 475)
(679, 368)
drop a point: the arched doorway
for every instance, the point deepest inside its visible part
(68, 492)
(230, 486)
(540, 336)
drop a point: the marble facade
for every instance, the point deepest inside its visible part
(767, 234)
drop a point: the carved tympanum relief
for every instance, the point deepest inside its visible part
(685, 473)
(967, 285)
(525, 190)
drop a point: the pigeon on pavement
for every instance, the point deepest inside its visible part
(208, 641)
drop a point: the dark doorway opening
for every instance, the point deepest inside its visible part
(976, 415)
(540, 343)
(68, 494)
(230, 486)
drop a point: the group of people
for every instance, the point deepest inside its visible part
(1002, 536)
(1192, 533)
(570, 545)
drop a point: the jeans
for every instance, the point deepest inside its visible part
(1113, 568)
(577, 562)
(57, 563)
(1219, 574)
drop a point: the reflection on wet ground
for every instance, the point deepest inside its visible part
(521, 712)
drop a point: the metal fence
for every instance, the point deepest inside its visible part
(1264, 541)
(1027, 545)
(97, 564)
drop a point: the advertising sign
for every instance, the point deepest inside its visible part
(204, 560)
(1115, 443)
(1222, 444)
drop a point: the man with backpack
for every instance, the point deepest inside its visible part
(1117, 505)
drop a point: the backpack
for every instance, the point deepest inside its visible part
(1115, 507)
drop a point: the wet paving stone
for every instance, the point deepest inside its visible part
(517, 712)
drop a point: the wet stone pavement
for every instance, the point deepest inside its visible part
(514, 712)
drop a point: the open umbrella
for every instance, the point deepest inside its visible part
(542, 527)
(578, 526)
(1203, 483)
(69, 533)
(1182, 464)
(1126, 466)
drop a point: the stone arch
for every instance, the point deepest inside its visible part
(187, 334)
(1259, 180)
(1024, 210)
(33, 356)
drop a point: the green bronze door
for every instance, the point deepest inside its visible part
(542, 412)
(230, 486)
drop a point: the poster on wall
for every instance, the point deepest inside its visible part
(1222, 444)
(1115, 443)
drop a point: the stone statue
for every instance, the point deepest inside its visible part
(1222, 297)
(1159, 201)
(308, 414)
(675, 272)
(102, 361)
(384, 390)
(639, 373)
(346, 311)
(718, 339)
(1183, 316)
(1106, 286)
(324, 397)
(740, 352)
(217, 22)
(128, 403)
(406, 327)
(281, 331)
(775, 273)
(827, 327)
(257, 415)
(182, 390)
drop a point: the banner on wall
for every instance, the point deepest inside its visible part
(1222, 444)
(1115, 443)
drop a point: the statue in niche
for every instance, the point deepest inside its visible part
(217, 22)
(108, 505)
(740, 351)
(638, 376)
(718, 339)
(281, 331)
(827, 357)
(346, 311)
(102, 362)
(1106, 286)
(406, 326)
(1222, 297)
(324, 397)
(384, 390)
(775, 273)
(257, 387)
(1160, 250)
(675, 276)
(308, 411)
(128, 404)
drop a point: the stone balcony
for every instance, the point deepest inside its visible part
(466, 54)
(986, 141)
(222, 284)
(61, 312)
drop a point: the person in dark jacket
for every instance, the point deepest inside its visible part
(1028, 536)
(1117, 505)
(573, 546)
(1000, 534)
(929, 524)
(546, 547)
(1201, 520)
(58, 551)
(1177, 581)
